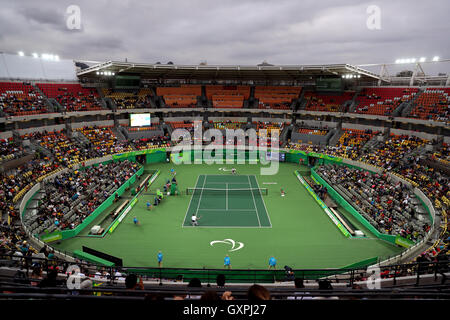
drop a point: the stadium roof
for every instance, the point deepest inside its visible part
(235, 72)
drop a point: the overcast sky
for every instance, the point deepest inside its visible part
(228, 31)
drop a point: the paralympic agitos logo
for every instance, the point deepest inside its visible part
(235, 245)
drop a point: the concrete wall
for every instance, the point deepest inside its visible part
(177, 119)
(53, 128)
(285, 121)
(315, 123)
(422, 135)
(77, 125)
(315, 139)
(145, 134)
(346, 125)
(6, 135)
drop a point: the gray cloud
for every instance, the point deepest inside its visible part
(228, 32)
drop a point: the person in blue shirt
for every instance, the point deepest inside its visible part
(160, 257)
(149, 205)
(136, 221)
(272, 263)
(227, 262)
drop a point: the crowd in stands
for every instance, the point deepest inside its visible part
(442, 155)
(390, 206)
(382, 101)
(72, 196)
(231, 125)
(9, 150)
(351, 143)
(72, 97)
(316, 132)
(104, 141)
(151, 143)
(130, 100)
(432, 104)
(19, 99)
(326, 102)
(390, 154)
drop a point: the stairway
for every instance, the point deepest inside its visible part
(353, 105)
(406, 111)
(49, 104)
(118, 134)
(335, 138)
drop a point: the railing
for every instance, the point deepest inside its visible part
(432, 273)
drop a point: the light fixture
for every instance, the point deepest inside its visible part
(35, 55)
(422, 59)
(435, 58)
(20, 53)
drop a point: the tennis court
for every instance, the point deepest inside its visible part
(227, 201)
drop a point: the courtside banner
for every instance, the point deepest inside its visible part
(316, 155)
(52, 237)
(131, 205)
(399, 240)
(323, 205)
(136, 153)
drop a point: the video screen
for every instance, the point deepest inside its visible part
(140, 120)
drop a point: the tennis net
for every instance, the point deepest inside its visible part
(227, 192)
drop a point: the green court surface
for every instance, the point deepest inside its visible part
(227, 201)
(294, 229)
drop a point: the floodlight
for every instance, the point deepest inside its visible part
(422, 59)
(20, 53)
(435, 58)
(35, 55)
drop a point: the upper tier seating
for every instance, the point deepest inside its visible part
(326, 102)
(351, 143)
(129, 100)
(276, 97)
(72, 97)
(180, 97)
(432, 104)
(382, 101)
(19, 99)
(227, 96)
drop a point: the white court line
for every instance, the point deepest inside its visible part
(226, 196)
(201, 194)
(228, 227)
(267, 212)
(254, 202)
(204, 209)
(182, 224)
